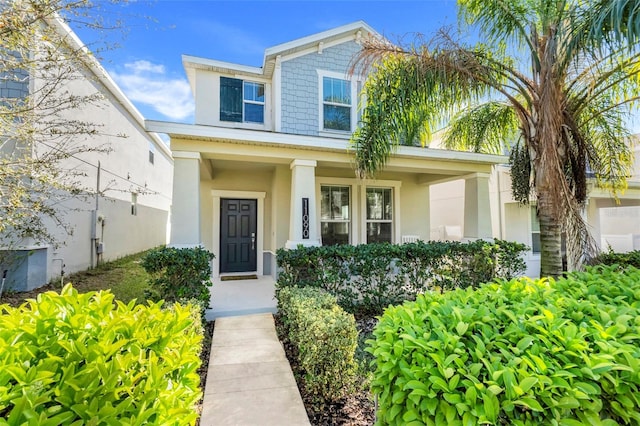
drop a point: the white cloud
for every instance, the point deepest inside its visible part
(147, 83)
(142, 66)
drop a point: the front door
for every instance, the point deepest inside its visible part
(238, 239)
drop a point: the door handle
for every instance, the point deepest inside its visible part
(253, 241)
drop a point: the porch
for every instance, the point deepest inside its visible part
(242, 297)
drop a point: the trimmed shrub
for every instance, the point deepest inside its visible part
(179, 274)
(325, 338)
(522, 352)
(631, 258)
(367, 278)
(75, 358)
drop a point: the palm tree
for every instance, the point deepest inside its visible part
(618, 19)
(547, 82)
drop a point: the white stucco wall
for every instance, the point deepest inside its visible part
(124, 169)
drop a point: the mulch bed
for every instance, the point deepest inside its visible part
(205, 354)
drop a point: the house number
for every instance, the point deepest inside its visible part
(305, 218)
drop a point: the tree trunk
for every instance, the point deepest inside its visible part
(550, 238)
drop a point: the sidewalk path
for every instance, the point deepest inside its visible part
(249, 381)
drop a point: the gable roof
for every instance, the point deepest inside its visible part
(102, 76)
(353, 31)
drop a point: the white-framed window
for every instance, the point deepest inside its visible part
(379, 215)
(335, 214)
(134, 204)
(337, 102)
(152, 153)
(535, 230)
(350, 211)
(241, 101)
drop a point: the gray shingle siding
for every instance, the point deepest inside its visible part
(300, 107)
(15, 85)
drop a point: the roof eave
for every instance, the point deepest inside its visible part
(178, 130)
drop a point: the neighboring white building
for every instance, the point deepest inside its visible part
(135, 180)
(266, 164)
(614, 224)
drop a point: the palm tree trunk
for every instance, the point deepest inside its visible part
(550, 238)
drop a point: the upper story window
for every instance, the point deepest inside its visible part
(152, 151)
(336, 104)
(241, 101)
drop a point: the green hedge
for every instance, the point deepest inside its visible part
(369, 277)
(522, 352)
(77, 359)
(631, 258)
(325, 338)
(179, 274)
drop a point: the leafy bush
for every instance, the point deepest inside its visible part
(631, 258)
(75, 358)
(521, 352)
(369, 277)
(325, 338)
(179, 274)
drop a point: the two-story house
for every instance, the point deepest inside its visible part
(128, 185)
(267, 163)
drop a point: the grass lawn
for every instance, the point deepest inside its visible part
(125, 277)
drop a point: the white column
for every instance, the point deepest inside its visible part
(477, 207)
(303, 187)
(185, 209)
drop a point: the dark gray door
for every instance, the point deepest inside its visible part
(238, 235)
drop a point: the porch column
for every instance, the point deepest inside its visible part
(303, 227)
(185, 208)
(477, 207)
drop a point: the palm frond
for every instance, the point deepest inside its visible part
(490, 127)
(615, 20)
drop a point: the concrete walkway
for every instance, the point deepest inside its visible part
(242, 297)
(249, 381)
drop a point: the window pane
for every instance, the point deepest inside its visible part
(336, 90)
(253, 92)
(335, 233)
(535, 223)
(326, 89)
(334, 203)
(379, 204)
(230, 99)
(254, 113)
(337, 117)
(341, 91)
(535, 242)
(378, 232)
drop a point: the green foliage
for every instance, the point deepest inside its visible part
(179, 274)
(83, 358)
(631, 258)
(560, 76)
(325, 338)
(519, 352)
(367, 278)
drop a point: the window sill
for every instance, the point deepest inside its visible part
(247, 126)
(336, 134)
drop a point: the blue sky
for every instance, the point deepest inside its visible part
(147, 65)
